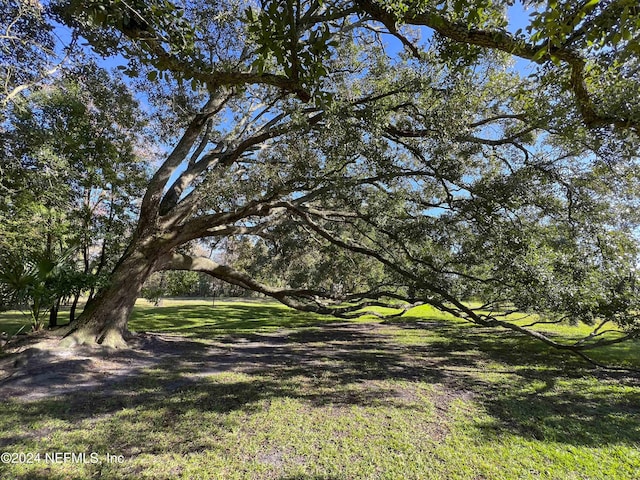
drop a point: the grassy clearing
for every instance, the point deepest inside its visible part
(305, 397)
(202, 319)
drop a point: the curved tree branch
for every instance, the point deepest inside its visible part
(504, 41)
(458, 308)
(306, 300)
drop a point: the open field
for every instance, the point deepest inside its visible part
(254, 390)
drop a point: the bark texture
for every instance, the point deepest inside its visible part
(106, 316)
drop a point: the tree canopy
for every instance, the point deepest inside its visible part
(71, 178)
(386, 153)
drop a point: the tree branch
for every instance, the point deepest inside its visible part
(300, 299)
(506, 42)
(149, 209)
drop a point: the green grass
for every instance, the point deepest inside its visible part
(422, 397)
(14, 321)
(201, 319)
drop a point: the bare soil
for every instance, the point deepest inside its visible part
(38, 368)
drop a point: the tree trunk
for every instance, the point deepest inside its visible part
(53, 314)
(74, 306)
(104, 320)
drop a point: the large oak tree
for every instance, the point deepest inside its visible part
(303, 124)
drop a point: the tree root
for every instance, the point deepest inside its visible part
(110, 338)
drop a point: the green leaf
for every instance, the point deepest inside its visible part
(539, 54)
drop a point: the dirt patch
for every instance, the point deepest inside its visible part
(41, 368)
(336, 354)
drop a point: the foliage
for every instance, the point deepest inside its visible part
(38, 280)
(177, 283)
(154, 289)
(285, 259)
(27, 48)
(72, 171)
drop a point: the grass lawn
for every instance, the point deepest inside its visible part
(246, 390)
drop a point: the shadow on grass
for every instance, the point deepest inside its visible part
(536, 391)
(527, 388)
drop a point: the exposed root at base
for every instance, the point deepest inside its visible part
(60, 331)
(109, 339)
(113, 339)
